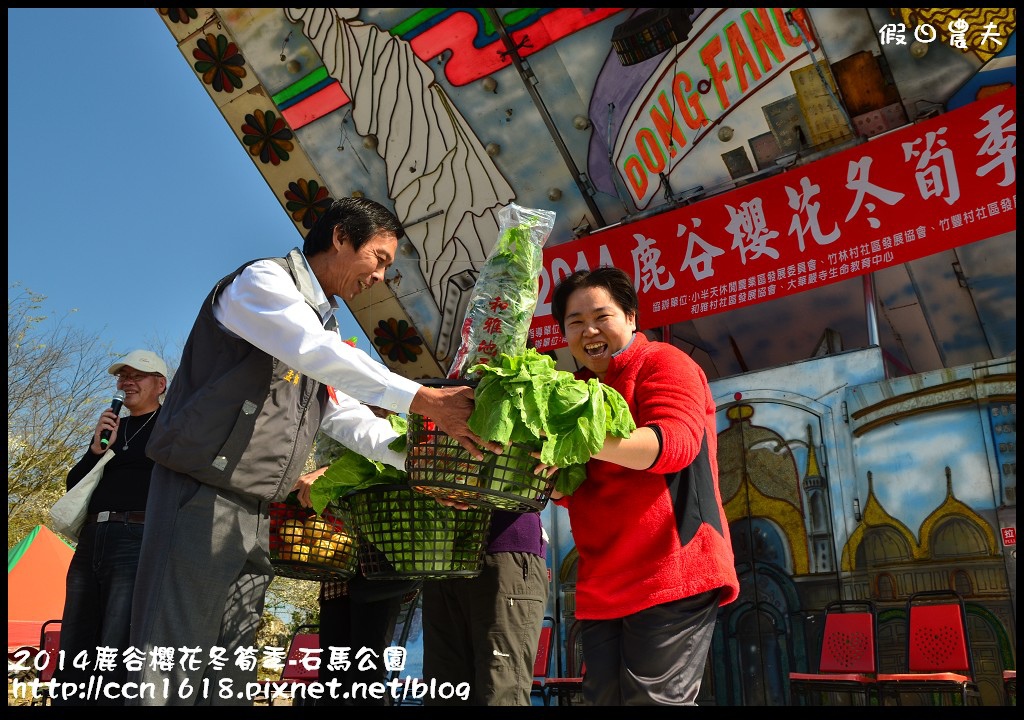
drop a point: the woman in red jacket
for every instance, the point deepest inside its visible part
(655, 558)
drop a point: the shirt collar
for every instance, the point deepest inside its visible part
(625, 347)
(324, 305)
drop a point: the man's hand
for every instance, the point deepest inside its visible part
(304, 484)
(450, 408)
(454, 504)
(109, 420)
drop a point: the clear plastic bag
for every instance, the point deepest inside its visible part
(504, 297)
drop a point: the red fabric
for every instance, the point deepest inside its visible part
(35, 587)
(626, 528)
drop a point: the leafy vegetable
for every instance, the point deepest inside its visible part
(505, 294)
(351, 471)
(524, 399)
(416, 534)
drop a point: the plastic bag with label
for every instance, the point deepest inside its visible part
(504, 298)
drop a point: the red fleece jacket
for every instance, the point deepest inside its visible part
(647, 537)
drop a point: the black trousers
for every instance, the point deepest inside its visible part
(98, 604)
(355, 625)
(652, 657)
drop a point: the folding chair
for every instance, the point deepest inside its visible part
(542, 662)
(297, 669)
(848, 661)
(939, 662)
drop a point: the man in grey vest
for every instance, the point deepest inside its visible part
(234, 433)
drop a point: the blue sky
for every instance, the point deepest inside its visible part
(128, 195)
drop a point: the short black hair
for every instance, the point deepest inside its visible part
(359, 219)
(618, 284)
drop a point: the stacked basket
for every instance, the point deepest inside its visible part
(440, 467)
(405, 532)
(307, 546)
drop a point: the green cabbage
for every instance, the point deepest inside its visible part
(524, 399)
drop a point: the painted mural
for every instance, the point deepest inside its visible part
(874, 490)
(866, 394)
(448, 113)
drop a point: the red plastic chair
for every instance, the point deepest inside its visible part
(563, 689)
(49, 643)
(848, 661)
(297, 669)
(542, 662)
(939, 662)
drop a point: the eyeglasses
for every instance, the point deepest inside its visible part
(134, 377)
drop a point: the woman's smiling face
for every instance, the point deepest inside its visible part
(596, 328)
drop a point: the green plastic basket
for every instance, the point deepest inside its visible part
(406, 534)
(439, 466)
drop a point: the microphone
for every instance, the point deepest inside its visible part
(115, 405)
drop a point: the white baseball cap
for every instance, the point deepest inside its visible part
(142, 360)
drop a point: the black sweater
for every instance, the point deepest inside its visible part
(124, 486)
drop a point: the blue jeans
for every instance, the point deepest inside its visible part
(98, 605)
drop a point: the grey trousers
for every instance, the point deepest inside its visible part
(483, 632)
(203, 573)
(652, 657)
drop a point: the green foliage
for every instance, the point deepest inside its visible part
(524, 399)
(293, 602)
(350, 471)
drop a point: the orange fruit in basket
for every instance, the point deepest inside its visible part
(343, 542)
(323, 550)
(292, 531)
(316, 529)
(298, 553)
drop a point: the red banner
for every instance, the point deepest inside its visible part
(916, 191)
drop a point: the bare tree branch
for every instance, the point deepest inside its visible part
(57, 385)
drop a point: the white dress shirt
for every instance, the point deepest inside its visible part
(263, 306)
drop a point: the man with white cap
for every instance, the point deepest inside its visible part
(101, 577)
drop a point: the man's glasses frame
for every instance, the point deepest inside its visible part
(134, 377)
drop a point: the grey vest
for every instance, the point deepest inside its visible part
(235, 417)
